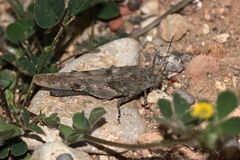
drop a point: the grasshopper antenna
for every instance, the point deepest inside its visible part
(164, 61)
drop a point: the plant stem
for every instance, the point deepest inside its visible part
(67, 20)
(174, 9)
(133, 146)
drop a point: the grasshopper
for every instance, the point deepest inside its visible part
(124, 83)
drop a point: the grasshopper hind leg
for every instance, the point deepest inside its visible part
(122, 101)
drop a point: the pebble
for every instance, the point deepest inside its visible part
(198, 4)
(134, 4)
(120, 52)
(186, 95)
(64, 156)
(205, 29)
(148, 21)
(173, 25)
(115, 24)
(6, 19)
(150, 137)
(58, 151)
(150, 7)
(221, 38)
(157, 94)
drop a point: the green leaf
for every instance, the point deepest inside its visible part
(25, 116)
(226, 103)
(26, 157)
(10, 58)
(80, 122)
(11, 130)
(95, 115)
(165, 107)
(17, 7)
(78, 6)
(26, 66)
(30, 9)
(75, 137)
(53, 120)
(48, 12)
(209, 139)
(36, 128)
(187, 119)
(20, 30)
(180, 104)
(19, 148)
(42, 61)
(6, 134)
(15, 33)
(27, 26)
(7, 79)
(4, 151)
(2, 62)
(230, 126)
(108, 10)
(65, 131)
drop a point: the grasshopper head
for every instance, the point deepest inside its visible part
(169, 64)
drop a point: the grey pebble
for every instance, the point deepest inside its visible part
(64, 156)
(186, 95)
(134, 4)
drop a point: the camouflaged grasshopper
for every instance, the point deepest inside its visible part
(124, 83)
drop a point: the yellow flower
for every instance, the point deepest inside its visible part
(203, 110)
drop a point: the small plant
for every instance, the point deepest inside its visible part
(81, 126)
(215, 122)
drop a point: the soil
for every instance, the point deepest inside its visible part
(214, 66)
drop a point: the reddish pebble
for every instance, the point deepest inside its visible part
(124, 10)
(115, 24)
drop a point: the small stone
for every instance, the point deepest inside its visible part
(197, 4)
(150, 137)
(115, 24)
(173, 25)
(148, 21)
(205, 29)
(150, 7)
(121, 52)
(6, 19)
(134, 4)
(58, 151)
(64, 156)
(221, 38)
(221, 86)
(186, 95)
(192, 154)
(155, 95)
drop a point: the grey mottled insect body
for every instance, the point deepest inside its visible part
(115, 82)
